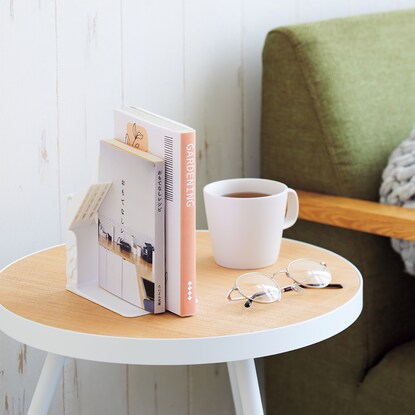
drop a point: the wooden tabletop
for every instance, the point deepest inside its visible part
(34, 288)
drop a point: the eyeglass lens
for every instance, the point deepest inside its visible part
(309, 273)
(258, 287)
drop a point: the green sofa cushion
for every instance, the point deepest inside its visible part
(351, 107)
(389, 385)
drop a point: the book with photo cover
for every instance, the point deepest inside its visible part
(176, 144)
(131, 226)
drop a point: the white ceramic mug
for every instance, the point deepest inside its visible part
(246, 218)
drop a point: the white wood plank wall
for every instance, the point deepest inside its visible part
(64, 66)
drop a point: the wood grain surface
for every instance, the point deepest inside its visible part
(359, 215)
(34, 288)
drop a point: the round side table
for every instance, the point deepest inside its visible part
(36, 309)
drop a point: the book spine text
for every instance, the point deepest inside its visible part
(188, 225)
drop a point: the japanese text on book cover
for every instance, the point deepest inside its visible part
(131, 226)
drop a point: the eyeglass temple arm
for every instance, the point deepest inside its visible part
(327, 286)
(295, 286)
(291, 287)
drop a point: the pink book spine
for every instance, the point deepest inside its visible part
(188, 225)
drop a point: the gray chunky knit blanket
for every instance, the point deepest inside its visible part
(398, 188)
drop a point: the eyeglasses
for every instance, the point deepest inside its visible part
(262, 288)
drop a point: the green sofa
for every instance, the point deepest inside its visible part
(337, 97)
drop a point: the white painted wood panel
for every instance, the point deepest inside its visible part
(210, 391)
(29, 182)
(212, 89)
(153, 56)
(89, 87)
(158, 390)
(19, 369)
(96, 388)
(64, 67)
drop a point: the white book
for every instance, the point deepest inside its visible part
(176, 144)
(131, 226)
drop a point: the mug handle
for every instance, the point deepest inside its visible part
(291, 215)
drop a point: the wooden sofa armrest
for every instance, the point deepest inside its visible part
(360, 215)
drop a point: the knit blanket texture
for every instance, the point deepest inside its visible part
(398, 188)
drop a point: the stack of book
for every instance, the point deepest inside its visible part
(146, 222)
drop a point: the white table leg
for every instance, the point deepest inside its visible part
(245, 388)
(235, 389)
(46, 385)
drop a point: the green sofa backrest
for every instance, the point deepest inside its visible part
(338, 97)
